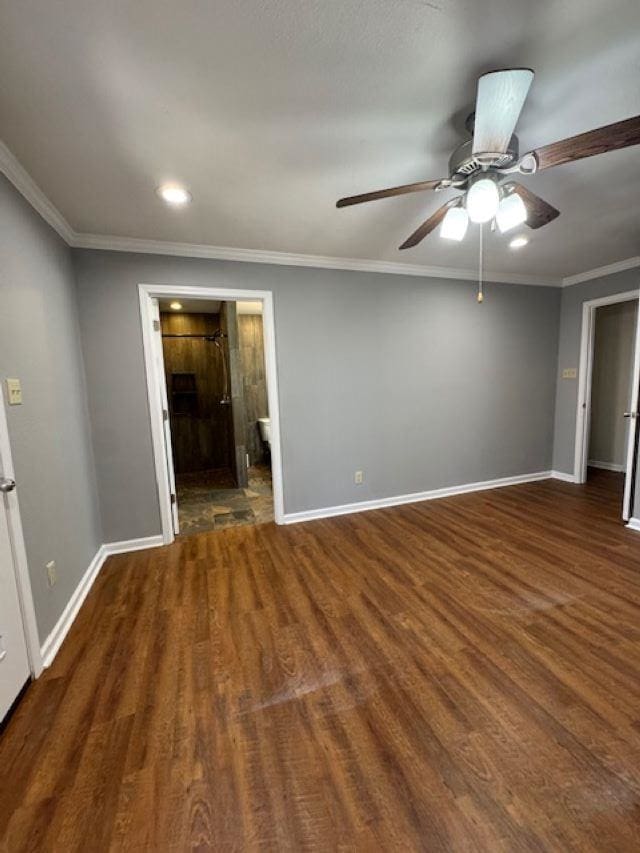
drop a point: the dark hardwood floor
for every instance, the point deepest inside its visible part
(455, 675)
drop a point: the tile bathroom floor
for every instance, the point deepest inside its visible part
(209, 500)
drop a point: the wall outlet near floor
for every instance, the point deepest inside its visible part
(569, 373)
(52, 575)
(358, 478)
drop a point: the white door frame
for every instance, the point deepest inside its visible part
(16, 537)
(149, 292)
(585, 377)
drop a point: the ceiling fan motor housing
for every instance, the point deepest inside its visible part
(463, 163)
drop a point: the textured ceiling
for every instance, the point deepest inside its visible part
(269, 110)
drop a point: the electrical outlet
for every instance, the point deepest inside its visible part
(52, 575)
(358, 478)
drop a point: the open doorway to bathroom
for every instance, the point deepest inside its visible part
(218, 412)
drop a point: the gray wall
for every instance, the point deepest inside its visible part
(614, 341)
(50, 441)
(569, 356)
(405, 378)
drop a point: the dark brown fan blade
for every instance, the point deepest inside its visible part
(406, 188)
(621, 134)
(539, 211)
(428, 226)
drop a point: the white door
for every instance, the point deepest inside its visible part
(14, 660)
(158, 355)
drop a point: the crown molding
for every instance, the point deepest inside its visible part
(24, 183)
(600, 272)
(261, 256)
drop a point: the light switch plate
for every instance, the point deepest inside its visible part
(569, 373)
(14, 392)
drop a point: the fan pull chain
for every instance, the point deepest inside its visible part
(480, 293)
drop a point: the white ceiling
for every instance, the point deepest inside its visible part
(270, 111)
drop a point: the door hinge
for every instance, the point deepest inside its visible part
(156, 325)
(165, 415)
(173, 499)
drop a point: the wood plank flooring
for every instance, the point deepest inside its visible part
(455, 675)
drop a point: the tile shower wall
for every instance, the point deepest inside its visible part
(254, 381)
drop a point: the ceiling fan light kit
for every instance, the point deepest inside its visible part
(482, 198)
(455, 223)
(511, 212)
(479, 167)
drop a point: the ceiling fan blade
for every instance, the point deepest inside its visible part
(539, 211)
(501, 96)
(405, 188)
(430, 224)
(620, 134)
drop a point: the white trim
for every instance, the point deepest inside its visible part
(560, 475)
(606, 466)
(600, 272)
(634, 524)
(16, 537)
(24, 183)
(585, 376)
(415, 497)
(288, 259)
(60, 630)
(125, 546)
(149, 292)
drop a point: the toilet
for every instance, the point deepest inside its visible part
(264, 425)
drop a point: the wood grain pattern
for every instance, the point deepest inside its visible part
(421, 186)
(254, 381)
(202, 438)
(499, 101)
(621, 134)
(456, 675)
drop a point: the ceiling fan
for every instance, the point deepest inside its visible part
(481, 167)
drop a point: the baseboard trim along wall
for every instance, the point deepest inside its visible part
(634, 524)
(606, 466)
(60, 630)
(415, 497)
(560, 475)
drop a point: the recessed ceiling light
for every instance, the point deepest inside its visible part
(174, 195)
(175, 306)
(518, 242)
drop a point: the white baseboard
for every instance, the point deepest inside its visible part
(60, 630)
(560, 475)
(634, 524)
(606, 466)
(416, 497)
(126, 545)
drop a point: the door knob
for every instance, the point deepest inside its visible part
(7, 484)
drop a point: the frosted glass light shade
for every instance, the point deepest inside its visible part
(454, 225)
(511, 212)
(482, 200)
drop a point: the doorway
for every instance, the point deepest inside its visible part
(212, 385)
(214, 368)
(606, 438)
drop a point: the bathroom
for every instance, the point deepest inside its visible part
(218, 412)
